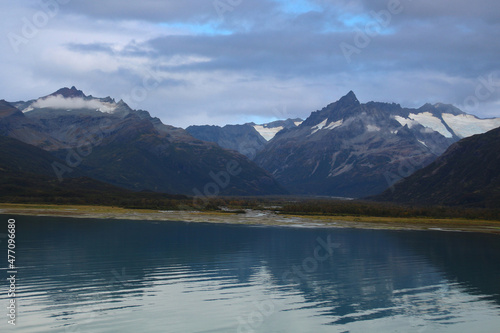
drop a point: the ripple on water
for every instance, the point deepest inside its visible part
(126, 276)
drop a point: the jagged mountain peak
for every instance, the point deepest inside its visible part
(440, 108)
(69, 92)
(444, 119)
(348, 100)
(129, 148)
(72, 99)
(448, 108)
(350, 149)
(345, 107)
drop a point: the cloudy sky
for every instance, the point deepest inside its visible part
(236, 61)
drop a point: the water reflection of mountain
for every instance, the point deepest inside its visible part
(370, 274)
(470, 259)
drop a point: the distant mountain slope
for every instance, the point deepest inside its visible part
(14, 124)
(241, 138)
(467, 174)
(349, 149)
(20, 157)
(269, 130)
(27, 175)
(247, 139)
(28, 171)
(128, 148)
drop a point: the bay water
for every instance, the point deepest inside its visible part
(95, 275)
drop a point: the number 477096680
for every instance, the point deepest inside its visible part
(11, 244)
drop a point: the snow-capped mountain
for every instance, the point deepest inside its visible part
(247, 139)
(269, 130)
(448, 121)
(74, 100)
(349, 149)
(110, 142)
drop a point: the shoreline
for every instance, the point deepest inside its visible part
(252, 217)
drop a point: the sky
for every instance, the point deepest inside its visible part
(217, 62)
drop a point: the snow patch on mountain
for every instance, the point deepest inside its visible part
(427, 120)
(319, 126)
(335, 124)
(372, 128)
(463, 125)
(297, 123)
(422, 142)
(405, 121)
(344, 168)
(466, 125)
(267, 132)
(72, 103)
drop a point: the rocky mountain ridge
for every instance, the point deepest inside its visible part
(110, 142)
(350, 149)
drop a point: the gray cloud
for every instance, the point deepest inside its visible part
(91, 48)
(256, 59)
(148, 10)
(232, 13)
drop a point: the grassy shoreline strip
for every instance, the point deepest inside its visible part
(263, 218)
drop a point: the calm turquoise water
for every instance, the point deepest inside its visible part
(78, 275)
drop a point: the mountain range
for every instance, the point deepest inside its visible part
(110, 142)
(350, 149)
(347, 149)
